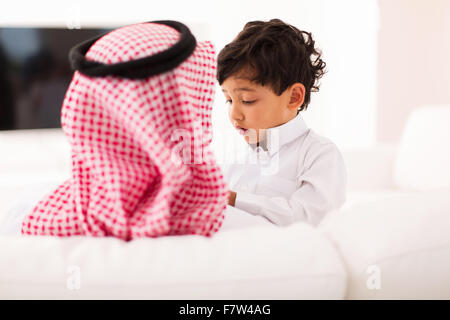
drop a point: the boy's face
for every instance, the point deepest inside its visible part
(257, 107)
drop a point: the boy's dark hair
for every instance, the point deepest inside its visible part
(276, 54)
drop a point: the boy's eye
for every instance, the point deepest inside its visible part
(243, 101)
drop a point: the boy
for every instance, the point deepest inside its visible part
(267, 74)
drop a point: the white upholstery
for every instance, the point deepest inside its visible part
(423, 160)
(258, 262)
(34, 152)
(406, 237)
(30, 161)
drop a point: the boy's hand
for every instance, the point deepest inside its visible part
(231, 198)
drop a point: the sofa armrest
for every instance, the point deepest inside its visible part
(34, 151)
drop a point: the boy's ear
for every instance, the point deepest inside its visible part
(297, 95)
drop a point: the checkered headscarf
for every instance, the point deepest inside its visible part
(141, 164)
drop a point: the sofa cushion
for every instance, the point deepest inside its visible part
(396, 247)
(423, 160)
(255, 262)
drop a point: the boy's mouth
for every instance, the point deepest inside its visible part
(241, 130)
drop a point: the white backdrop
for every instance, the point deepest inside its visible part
(346, 31)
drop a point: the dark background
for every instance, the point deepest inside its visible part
(35, 73)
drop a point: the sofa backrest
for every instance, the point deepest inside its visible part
(423, 159)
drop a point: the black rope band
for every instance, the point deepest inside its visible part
(139, 68)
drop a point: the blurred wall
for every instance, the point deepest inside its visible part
(413, 61)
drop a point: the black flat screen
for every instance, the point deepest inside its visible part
(35, 73)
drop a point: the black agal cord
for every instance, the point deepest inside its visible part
(139, 68)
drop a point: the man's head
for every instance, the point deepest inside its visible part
(267, 74)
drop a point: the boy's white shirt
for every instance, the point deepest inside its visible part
(298, 176)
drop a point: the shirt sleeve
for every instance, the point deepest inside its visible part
(321, 188)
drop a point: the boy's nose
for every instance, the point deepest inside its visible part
(235, 114)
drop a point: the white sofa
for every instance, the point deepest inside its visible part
(391, 239)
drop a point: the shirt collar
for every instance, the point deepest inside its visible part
(278, 136)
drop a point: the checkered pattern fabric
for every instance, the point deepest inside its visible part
(141, 164)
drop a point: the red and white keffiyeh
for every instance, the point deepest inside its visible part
(133, 173)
